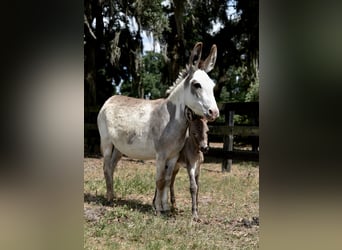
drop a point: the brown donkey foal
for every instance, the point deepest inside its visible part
(191, 156)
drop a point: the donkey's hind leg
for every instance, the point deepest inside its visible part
(111, 158)
(107, 150)
(116, 156)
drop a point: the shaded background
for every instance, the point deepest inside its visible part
(137, 48)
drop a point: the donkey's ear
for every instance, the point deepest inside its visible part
(209, 63)
(196, 55)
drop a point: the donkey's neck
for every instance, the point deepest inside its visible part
(177, 98)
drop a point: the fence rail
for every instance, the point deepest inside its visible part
(242, 155)
(228, 131)
(236, 130)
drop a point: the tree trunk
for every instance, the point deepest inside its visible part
(178, 50)
(222, 81)
(89, 77)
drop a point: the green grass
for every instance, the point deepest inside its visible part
(224, 200)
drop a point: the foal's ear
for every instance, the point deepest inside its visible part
(209, 63)
(189, 114)
(196, 54)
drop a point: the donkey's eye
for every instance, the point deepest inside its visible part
(197, 85)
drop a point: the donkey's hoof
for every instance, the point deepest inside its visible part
(196, 219)
(164, 213)
(174, 210)
(108, 203)
(174, 206)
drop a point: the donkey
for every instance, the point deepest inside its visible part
(156, 129)
(191, 157)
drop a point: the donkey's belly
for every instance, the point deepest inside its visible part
(136, 147)
(137, 151)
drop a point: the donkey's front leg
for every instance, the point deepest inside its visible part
(160, 184)
(163, 182)
(172, 188)
(169, 171)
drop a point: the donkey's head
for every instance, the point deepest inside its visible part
(199, 88)
(198, 131)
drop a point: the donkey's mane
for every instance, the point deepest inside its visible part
(182, 74)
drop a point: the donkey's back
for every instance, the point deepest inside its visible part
(126, 123)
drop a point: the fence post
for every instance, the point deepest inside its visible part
(228, 141)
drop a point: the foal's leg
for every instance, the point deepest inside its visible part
(172, 191)
(193, 189)
(198, 170)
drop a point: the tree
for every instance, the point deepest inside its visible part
(115, 55)
(113, 47)
(113, 51)
(151, 75)
(113, 44)
(237, 42)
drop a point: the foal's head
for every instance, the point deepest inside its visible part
(198, 131)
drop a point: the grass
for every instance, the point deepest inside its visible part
(226, 202)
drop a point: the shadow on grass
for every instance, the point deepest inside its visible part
(128, 203)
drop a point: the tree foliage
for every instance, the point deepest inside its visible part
(114, 56)
(152, 75)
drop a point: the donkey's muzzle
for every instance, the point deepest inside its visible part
(204, 149)
(213, 114)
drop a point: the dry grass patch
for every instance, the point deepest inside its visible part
(228, 208)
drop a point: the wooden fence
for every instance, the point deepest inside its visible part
(231, 135)
(91, 133)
